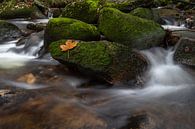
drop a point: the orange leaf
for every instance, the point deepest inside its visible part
(70, 44)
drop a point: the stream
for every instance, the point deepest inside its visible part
(45, 95)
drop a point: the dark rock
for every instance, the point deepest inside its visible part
(185, 52)
(9, 31)
(174, 36)
(130, 30)
(67, 28)
(36, 26)
(107, 61)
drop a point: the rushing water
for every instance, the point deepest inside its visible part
(167, 100)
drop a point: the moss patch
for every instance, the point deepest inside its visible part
(84, 10)
(130, 30)
(109, 61)
(146, 13)
(67, 28)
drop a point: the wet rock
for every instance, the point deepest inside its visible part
(30, 44)
(36, 26)
(150, 14)
(56, 11)
(171, 16)
(108, 61)
(130, 30)
(9, 31)
(174, 36)
(185, 52)
(85, 11)
(67, 28)
(139, 121)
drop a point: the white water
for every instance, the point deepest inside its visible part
(12, 56)
(164, 71)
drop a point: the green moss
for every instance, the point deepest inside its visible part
(129, 30)
(84, 10)
(89, 55)
(67, 28)
(11, 9)
(106, 60)
(146, 13)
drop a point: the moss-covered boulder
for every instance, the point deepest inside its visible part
(185, 52)
(85, 11)
(150, 14)
(67, 28)
(130, 30)
(13, 9)
(8, 31)
(109, 61)
(126, 5)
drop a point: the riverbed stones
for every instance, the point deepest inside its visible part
(130, 30)
(185, 52)
(108, 61)
(8, 31)
(67, 28)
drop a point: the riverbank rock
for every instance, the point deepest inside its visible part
(185, 52)
(8, 31)
(150, 14)
(130, 30)
(173, 37)
(108, 61)
(85, 11)
(13, 9)
(67, 28)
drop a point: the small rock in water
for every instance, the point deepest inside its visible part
(28, 78)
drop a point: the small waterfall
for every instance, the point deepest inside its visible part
(163, 71)
(16, 53)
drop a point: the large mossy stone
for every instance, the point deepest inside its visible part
(8, 31)
(130, 30)
(67, 28)
(105, 60)
(13, 9)
(185, 52)
(85, 11)
(150, 14)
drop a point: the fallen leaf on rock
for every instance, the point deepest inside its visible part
(28, 78)
(70, 44)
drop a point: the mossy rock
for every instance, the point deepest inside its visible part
(146, 13)
(130, 30)
(67, 28)
(127, 5)
(8, 31)
(85, 11)
(13, 9)
(185, 52)
(109, 61)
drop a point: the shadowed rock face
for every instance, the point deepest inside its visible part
(8, 31)
(185, 52)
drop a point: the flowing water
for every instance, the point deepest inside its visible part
(52, 99)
